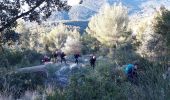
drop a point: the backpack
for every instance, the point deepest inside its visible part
(129, 69)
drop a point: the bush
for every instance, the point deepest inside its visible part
(90, 44)
(93, 84)
(17, 83)
(162, 24)
(99, 83)
(11, 58)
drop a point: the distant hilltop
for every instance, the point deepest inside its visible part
(89, 8)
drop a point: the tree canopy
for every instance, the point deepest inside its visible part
(33, 10)
(58, 36)
(162, 24)
(109, 25)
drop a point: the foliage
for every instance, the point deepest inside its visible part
(121, 56)
(9, 37)
(36, 10)
(138, 25)
(13, 58)
(100, 84)
(162, 24)
(72, 45)
(109, 25)
(17, 83)
(107, 81)
(30, 36)
(90, 44)
(58, 36)
(149, 43)
(32, 10)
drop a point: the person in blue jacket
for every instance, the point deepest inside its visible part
(130, 70)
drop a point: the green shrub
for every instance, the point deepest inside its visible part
(11, 58)
(17, 83)
(93, 84)
(90, 44)
(162, 24)
(99, 84)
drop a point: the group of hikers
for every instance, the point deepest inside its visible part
(129, 70)
(61, 55)
(55, 55)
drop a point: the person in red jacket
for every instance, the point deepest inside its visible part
(46, 59)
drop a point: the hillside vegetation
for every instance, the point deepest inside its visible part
(111, 35)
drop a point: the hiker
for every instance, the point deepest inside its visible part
(76, 56)
(46, 59)
(130, 70)
(56, 54)
(126, 72)
(62, 56)
(92, 61)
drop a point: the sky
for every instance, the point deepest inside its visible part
(88, 6)
(73, 2)
(70, 2)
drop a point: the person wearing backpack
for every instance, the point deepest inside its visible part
(76, 56)
(45, 59)
(62, 56)
(130, 70)
(92, 61)
(57, 53)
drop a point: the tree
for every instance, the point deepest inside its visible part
(58, 36)
(161, 24)
(32, 10)
(11, 10)
(109, 25)
(30, 35)
(150, 34)
(72, 45)
(90, 44)
(24, 35)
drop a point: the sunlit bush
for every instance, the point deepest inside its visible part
(145, 29)
(161, 26)
(30, 36)
(58, 36)
(72, 45)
